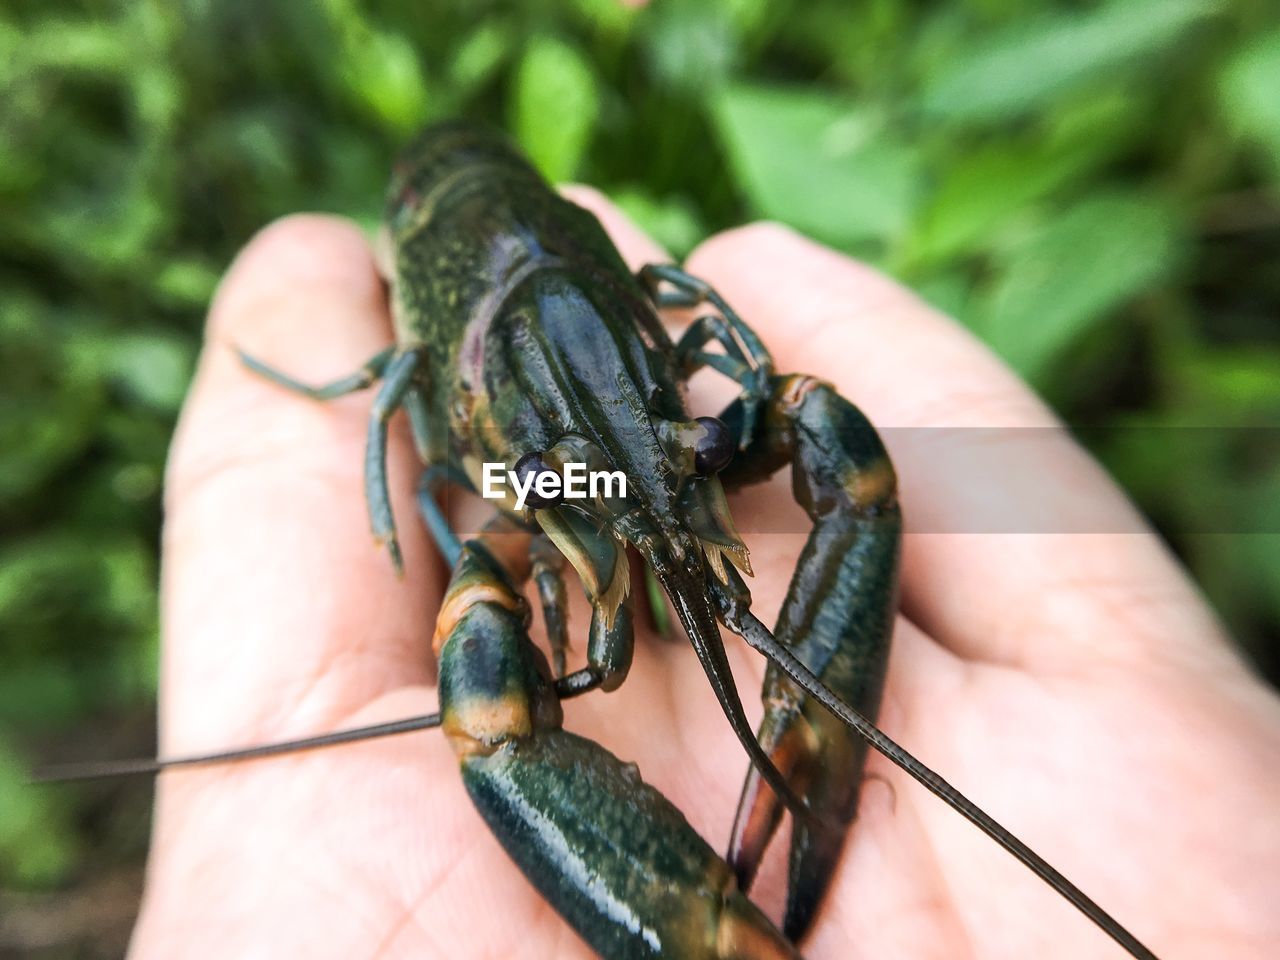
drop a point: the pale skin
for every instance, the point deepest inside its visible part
(1075, 685)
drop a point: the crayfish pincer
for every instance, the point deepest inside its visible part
(525, 348)
(611, 853)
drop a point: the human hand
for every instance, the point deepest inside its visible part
(1073, 685)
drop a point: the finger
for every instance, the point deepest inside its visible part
(1014, 597)
(280, 616)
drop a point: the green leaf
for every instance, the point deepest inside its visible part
(982, 190)
(827, 169)
(556, 105)
(1239, 384)
(1029, 64)
(1262, 560)
(35, 845)
(379, 70)
(948, 292)
(1250, 91)
(95, 48)
(154, 368)
(609, 17)
(479, 55)
(1068, 276)
(383, 74)
(49, 402)
(187, 282)
(692, 46)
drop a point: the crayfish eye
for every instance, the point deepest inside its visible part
(531, 465)
(714, 449)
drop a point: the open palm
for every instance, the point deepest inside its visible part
(1074, 685)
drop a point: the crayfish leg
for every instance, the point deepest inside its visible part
(610, 648)
(745, 359)
(837, 618)
(396, 385)
(617, 860)
(548, 577)
(433, 479)
(363, 378)
(398, 369)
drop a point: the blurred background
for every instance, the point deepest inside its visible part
(1093, 188)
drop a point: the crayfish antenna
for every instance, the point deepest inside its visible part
(101, 770)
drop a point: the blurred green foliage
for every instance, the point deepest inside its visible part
(1093, 187)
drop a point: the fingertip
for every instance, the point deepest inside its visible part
(303, 297)
(305, 260)
(316, 254)
(781, 272)
(763, 234)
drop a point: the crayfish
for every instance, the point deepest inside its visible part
(523, 342)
